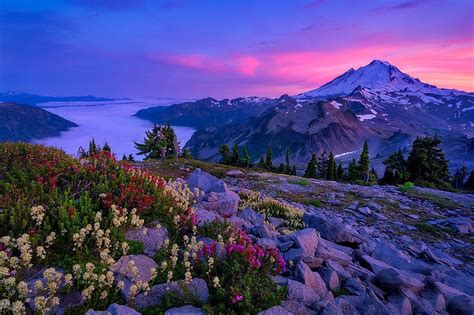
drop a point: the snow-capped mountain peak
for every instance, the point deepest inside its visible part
(379, 76)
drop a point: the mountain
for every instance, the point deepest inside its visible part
(23, 123)
(207, 112)
(377, 102)
(34, 99)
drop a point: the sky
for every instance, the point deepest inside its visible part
(226, 48)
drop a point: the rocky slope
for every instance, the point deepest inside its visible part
(23, 123)
(363, 250)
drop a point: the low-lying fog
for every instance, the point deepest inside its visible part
(110, 122)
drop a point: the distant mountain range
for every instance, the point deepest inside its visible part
(24, 123)
(34, 99)
(376, 102)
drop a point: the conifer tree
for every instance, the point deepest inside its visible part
(186, 154)
(246, 158)
(311, 171)
(340, 172)
(131, 158)
(364, 163)
(235, 157)
(293, 170)
(396, 171)
(459, 177)
(224, 151)
(261, 163)
(427, 164)
(353, 173)
(154, 144)
(171, 140)
(469, 185)
(269, 159)
(107, 147)
(287, 169)
(331, 167)
(281, 169)
(93, 149)
(124, 158)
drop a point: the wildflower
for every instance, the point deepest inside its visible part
(41, 252)
(237, 298)
(215, 282)
(18, 308)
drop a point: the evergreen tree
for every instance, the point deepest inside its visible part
(107, 147)
(311, 171)
(269, 159)
(281, 169)
(322, 165)
(224, 151)
(93, 149)
(131, 158)
(171, 140)
(261, 163)
(293, 170)
(186, 154)
(154, 144)
(396, 169)
(287, 169)
(459, 177)
(124, 158)
(364, 163)
(331, 167)
(246, 158)
(235, 157)
(469, 185)
(353, 171)
(339, 172)
(373, 177)
(427, 164)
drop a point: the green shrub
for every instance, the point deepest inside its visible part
(407, 186)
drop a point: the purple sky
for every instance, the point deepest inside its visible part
(191, 49)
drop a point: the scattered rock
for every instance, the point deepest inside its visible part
(392, 279)
(123, 271)
(224, 203)
(197, 287)
(204, 217)
(276, 310)
(285, 246)
(251, 216)
(311, 279)
(116, 309)
(151, 237)
(462, 225)
(307, 240)
(185, 310)
(364, 210)
(235, 173)
(299, 292)
(262, 231)
(330, 277)
(333, 232)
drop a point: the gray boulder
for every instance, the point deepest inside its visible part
(276, 310)
(302, 293)
(224, 203)
(307, 240)
(330, 277)
(204, 217)
(205, 182)
(123, 272)
(251, 216)
(333, 232)
(197, 288)
(235, 173)
(262, 230)
(311, 279)
(185, 310)
(152, 238)
(116, 309)
(392, 280)
(461, 304)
